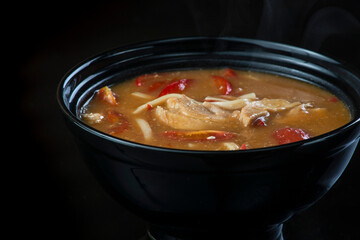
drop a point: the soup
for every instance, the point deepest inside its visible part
(214, 109)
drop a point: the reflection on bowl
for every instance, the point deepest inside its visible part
(209, 195)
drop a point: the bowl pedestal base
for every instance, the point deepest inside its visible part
(273, 232)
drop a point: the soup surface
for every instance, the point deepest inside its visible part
(216, 109)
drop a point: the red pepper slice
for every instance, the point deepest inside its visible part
(229, 73)
(149, 106)
(201, 135)
(148, 79)
(156, 86)
(144, 79)
(118, 128)
(333, 99)
(140, 80)
(223, 85)
(106, 95)
(176, 87)
(289, 135)
(119, 122)
(152, 79)
(114, 116)
(260, 122)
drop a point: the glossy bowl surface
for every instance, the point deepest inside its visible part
(186, 193)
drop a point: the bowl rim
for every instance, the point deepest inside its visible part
(140, 45)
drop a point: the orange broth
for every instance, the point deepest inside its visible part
(275, 110)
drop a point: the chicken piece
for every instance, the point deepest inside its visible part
(230, 146)
(179, 121)
(302, 108)
(191, 108)
(262, 108)
(92, 118)
(186, 113)
(216, 110)
(302, 114)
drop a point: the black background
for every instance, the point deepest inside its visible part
(52, 195)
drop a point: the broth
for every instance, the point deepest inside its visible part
(214, 109)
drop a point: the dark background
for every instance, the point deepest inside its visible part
(52, 194)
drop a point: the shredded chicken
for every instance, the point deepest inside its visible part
(156, 101)
(141, 95)
(233, 104)
(145, 128)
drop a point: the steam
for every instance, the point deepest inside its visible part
(328, 22)
(312, 24)
(283, 20)
(225, 17)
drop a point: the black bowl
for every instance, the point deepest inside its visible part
(205, 194)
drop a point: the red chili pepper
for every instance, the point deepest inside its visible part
(260, 122)
(149, 106)
(223, 85)
(156, 86)
(229, 73)
(201, 135)
(140, 80)
(118, 128)
(176, 87)
(243, 147)
(151, 79)
(289, 135)
(114, 116)
(119, 122)
(106, 95)
(143, 79)
(333, 99)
